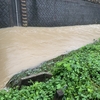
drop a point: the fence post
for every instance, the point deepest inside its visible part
(24, 13)
(58, 95)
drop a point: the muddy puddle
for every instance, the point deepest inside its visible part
(26, 47)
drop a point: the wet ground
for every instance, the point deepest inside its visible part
(26, 47)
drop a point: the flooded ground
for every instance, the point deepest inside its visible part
(26, 47)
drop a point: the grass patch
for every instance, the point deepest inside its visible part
(76, 73)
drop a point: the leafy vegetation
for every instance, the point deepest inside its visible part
(76, 73)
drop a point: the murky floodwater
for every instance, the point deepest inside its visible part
(22, 48)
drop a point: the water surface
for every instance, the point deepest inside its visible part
(26, 47)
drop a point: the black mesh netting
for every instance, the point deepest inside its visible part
(4, 13)
(93, 1)
(50, 12)
(62, 12)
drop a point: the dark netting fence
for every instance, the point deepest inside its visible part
(8, 13)
(93, 1)
(49, 12)
(4, 13)
(62, 12)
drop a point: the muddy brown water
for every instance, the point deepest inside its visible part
(25, 47)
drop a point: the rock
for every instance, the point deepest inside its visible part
(41, 77)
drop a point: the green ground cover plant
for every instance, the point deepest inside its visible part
(76, 73)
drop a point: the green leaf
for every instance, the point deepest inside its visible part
(58, 86)
(68, 67)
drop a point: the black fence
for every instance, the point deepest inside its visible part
(4, 13)
(49, 13)
(62, 12)
(10, 13)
